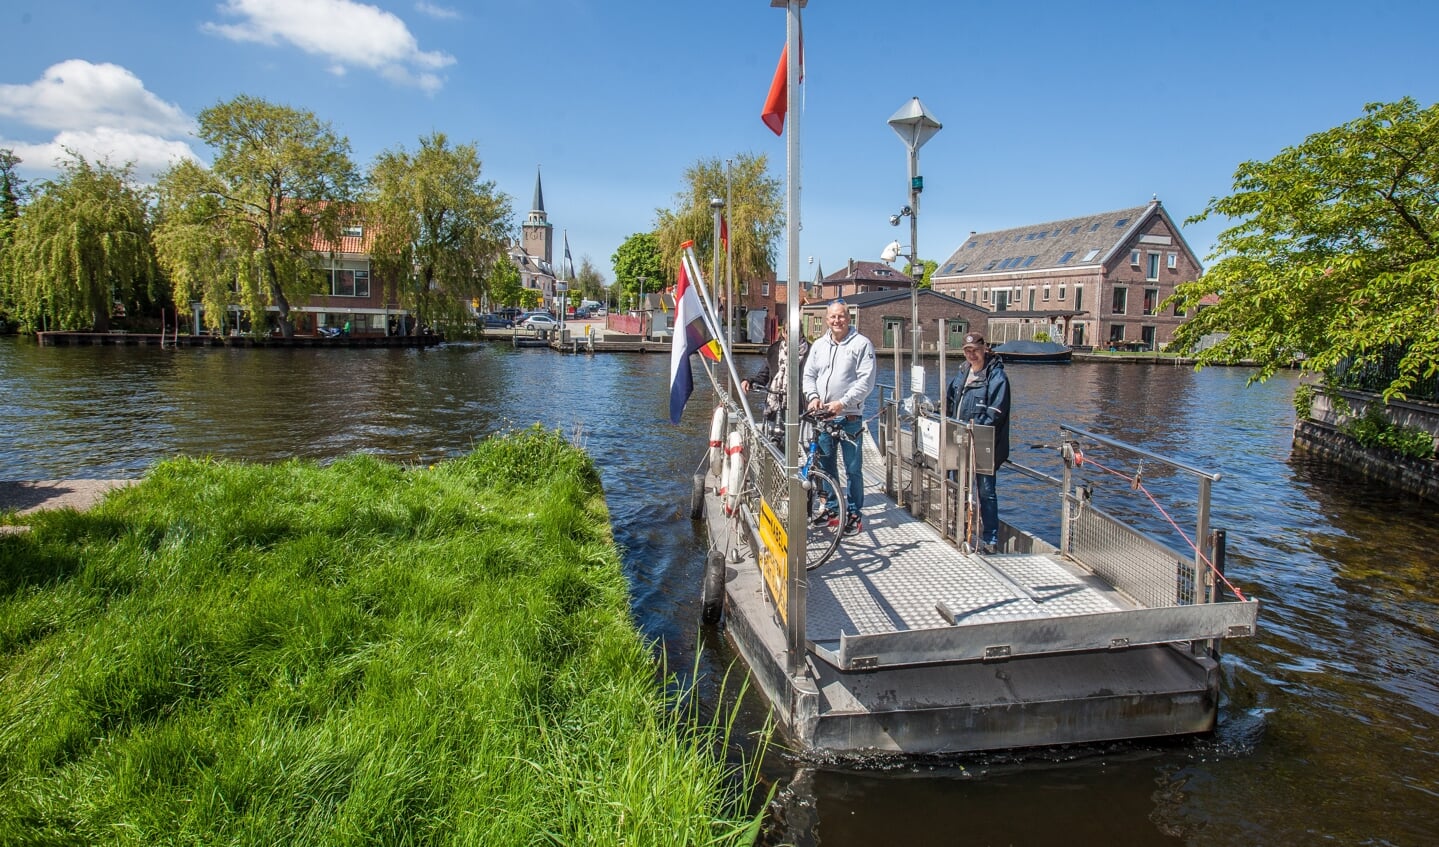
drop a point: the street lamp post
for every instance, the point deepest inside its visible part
(914, 125)
(640, 304)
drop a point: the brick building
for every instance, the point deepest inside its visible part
(1088, 281)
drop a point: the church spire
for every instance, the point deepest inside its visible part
(539, 202)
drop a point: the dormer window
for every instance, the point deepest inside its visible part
(352, 231)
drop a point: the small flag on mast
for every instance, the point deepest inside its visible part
(569, 262)
(691, 336)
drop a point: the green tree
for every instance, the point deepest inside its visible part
(440, 230)
(250, 227)
(638, 257)
(589, 280)
(930, 266)
(1335, 254)
(505, 285)
(79, 246)
(12, 191)
(754, 211)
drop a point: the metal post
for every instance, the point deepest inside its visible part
(797, 587)
(717, 207)
(1202, 550)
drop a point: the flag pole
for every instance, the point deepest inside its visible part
(797, 587)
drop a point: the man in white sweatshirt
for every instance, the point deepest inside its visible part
(838, 377)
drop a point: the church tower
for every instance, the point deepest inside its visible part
(537, 234)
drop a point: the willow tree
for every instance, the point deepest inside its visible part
(252, 226)
(440, 230)
(754, 212)
(1335, 255)
(79, 246)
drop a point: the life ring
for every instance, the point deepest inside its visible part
(734, 471)
(717, 428)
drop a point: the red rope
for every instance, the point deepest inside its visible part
(1137, 485)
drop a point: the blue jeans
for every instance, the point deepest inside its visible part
(988, 508)
(853, 465)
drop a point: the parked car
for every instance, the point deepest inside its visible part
(495, 322)
(539, 321)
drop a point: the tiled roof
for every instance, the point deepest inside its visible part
(868, 272)
(876, 298)
(1068, 243)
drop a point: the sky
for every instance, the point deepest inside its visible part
(1050, 109)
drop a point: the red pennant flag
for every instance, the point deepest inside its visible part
(778, 99)
(724, 232)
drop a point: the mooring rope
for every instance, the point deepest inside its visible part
(1136, 484)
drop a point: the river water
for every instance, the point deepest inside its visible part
(1329, 731)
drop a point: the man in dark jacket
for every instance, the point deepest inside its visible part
(980, 393)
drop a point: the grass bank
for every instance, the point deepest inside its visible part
(353, 654)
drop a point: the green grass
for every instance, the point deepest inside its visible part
(353, 654)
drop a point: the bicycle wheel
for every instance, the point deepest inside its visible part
(822, 539)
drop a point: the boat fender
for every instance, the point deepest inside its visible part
(734, 471)
(717, 453)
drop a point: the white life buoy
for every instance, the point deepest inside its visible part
(734, 471)
(717, 427)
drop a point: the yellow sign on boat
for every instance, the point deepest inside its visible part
(774, 557)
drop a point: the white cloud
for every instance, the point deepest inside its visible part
(76, 94)
(346, 34)
(100, 111)
(149, 154)
(443, 13)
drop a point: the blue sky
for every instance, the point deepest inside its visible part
(1050, 109)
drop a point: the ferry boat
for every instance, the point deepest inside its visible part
(913, 640)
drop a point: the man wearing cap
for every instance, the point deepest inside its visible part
(980, 393)
(838, 377)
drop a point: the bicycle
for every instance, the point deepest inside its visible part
(824, 531)
(826, 527)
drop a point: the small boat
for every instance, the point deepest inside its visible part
(1039, 352)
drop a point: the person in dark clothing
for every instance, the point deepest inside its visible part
(979, 393)
(773, 375)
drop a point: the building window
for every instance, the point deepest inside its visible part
(986, 295)
(744, 288)
(1151, 300)
(1068, 254)
(1120, 302)
(974, 294)
(1134, 258)
(353, 231)
(1146, 335)
(1000, 300)
(1178, 312)
(346, 282)
(1078, 298)
(1089, 257)
(1046, 294)
(1116, 333)
(1173, 260)
(1031, 298)
(764, 288)
(1153, 267)
(1061, 291)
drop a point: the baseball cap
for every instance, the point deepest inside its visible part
(974, 339)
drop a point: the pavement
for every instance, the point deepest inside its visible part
(25, 496)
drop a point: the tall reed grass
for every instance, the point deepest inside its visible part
(357, 654)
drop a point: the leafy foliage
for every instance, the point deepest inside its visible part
(638, 256)
(1374, 429)
(440, 230)
(754, 211)
(80, 245)
(281, 187)
(1335, 254)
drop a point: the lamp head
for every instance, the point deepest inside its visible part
(894, 220)
(891, 252)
